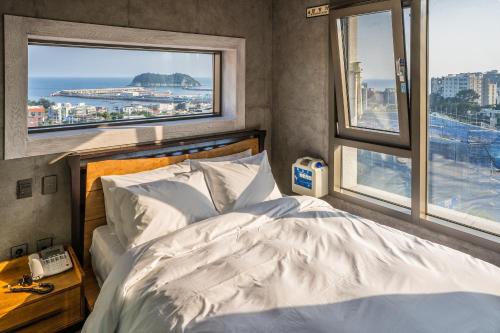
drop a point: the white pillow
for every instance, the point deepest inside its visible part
(146, 176)
(240, 183)
(154, 209)
(109, 182)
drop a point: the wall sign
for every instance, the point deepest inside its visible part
(317, 11)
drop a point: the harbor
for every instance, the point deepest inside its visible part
(136, 94)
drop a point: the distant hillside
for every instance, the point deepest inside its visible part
(164, 80)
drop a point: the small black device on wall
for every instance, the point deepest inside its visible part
(44, 243)
(24, 188)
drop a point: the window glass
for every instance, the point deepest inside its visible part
(407, 36)
(464, 113)
(381, 176)
(72, 85)
(370, 71)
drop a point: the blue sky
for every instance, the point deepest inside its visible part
(463, 37)
(375, 46)
(59, 61)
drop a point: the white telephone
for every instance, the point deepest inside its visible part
(50, 261)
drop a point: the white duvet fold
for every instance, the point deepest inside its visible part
(296, 265)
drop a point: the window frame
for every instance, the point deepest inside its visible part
(216, 87)
(19, 143)
(345, 130)
(417, 151)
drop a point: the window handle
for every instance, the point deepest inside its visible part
(401, 69)
(401, 74)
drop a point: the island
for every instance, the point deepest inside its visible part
(164, 80)
(142, 89)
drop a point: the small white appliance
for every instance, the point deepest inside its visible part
(310, 177)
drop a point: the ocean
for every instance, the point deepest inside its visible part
(42, 87)
(380, 84)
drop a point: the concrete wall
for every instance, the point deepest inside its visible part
(300, 86)
(301, 109)
(26, 220)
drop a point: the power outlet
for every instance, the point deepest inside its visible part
(19, 250)
(43, 243)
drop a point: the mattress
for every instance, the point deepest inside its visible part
(105, 251)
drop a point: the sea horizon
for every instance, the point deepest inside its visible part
(102, 77)
(42, 87)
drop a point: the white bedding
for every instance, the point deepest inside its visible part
(240, 183)
(296, 265)
(105, 252)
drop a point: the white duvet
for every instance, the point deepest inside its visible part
(296, 265)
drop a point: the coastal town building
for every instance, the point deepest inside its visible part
(36, 115)
(485, 85)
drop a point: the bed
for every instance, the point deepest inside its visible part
(88, 166)
(290, 264)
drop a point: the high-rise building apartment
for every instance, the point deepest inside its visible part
(494, 77)
(390, 96)
(450, 85)
(489, 94)
(486, 85)
(437, 85)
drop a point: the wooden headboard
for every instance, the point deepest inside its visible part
(87, 167)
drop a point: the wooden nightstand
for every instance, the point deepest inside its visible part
(26, 312)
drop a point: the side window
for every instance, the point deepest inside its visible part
(463, 116)
(370, 72)
(372, 97)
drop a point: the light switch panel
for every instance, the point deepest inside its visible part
(24, 188)
(49, 184)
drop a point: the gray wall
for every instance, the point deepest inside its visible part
(301, 104)
(27, 220)
(300, 86)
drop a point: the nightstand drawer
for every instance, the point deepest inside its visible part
(45, 315)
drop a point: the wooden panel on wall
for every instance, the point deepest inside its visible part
(121, 167)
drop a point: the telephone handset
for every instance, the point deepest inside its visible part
(48, 262)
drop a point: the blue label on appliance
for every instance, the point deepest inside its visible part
(302, 178)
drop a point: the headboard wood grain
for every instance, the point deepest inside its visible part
(88, 210)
